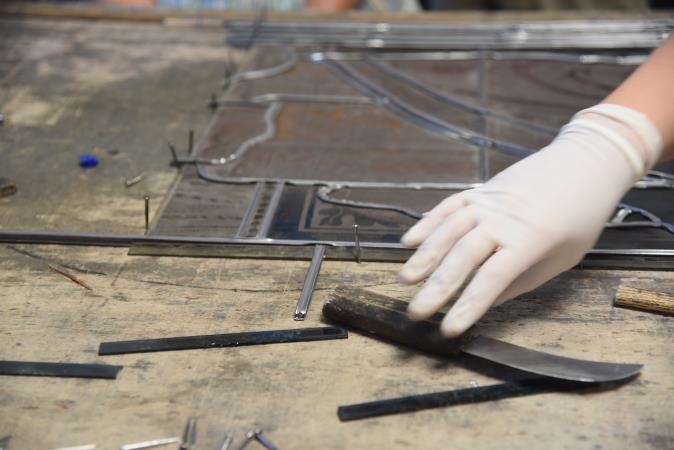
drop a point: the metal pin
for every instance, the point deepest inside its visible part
(190, 142)
(174, 154)
(213, 102)
(310, 282)
(147, 213)
(189, 434)
(249, 437)
(4, 442)
(150, 444)
(262, 439)
(356, 240)
(79, 447)
(228, 441)
(135, 180)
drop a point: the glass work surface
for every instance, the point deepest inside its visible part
(374, 118)
(398, 130)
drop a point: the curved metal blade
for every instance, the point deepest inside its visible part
(542, 363)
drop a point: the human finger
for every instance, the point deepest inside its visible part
(463, 258)
(491, 280)
(431, 220)
(436, 246)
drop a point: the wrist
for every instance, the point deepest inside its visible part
(628, 131)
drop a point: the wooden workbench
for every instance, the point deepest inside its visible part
(120, 91)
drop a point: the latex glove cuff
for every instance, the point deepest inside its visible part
(630, 131)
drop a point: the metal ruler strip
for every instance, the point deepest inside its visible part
(222, 340)
(51, 369)
(442, 399)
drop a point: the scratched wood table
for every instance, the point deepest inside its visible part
(120, 91)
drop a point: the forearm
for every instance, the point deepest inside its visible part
(650, 90)
(331, 5)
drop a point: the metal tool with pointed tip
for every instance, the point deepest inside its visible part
(189, 439)
(151, 444)
(386, 317)
(264, 440)
(250, 436)
(227, 442)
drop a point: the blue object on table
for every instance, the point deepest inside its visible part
(88, 161)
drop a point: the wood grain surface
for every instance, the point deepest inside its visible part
(120, 91)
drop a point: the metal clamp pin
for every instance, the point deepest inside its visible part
(147, 212)
(150, 444)
(228, 441)
(310, 282)
(213, 102)
(79, 447)
(356, 241)
(174, 155)
(133, 181)
(249, 437)
(262, 439)
(189, 434)
(190, 142)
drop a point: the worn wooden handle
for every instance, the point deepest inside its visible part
(7, 187)
(642, 299)
(386, 317)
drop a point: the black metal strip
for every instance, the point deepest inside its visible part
(222, 340)
(413, 403)
(50, 369)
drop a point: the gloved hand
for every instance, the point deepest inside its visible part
(530, 222)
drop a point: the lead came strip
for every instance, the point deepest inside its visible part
(222, 340)
(51, 369)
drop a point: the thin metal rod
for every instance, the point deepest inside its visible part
(251, 210)
(189, 438)
(227, 442)
(272, 206)
(147, 213)
(174, 154)
(356, 242)
(190, 142)
(264, 441)
(79, 447)
(310, 283)
(250, 436)
(135, 180)
(150, 444)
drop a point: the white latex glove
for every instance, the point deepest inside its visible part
(532, 221)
